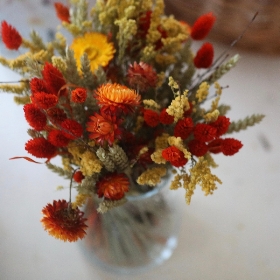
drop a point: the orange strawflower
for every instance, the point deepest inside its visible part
(113, 186)
(117, 98)
(204, 56)
(63, 222)
(79, 95)
(10, 36)
(34, 116)
(62, 12)
(40, 148)
(174, 156)
(103, 127)
(141, 76)
(202, 26)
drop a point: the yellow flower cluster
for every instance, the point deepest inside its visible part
(89, 163)
(152, 176)
(202, 92)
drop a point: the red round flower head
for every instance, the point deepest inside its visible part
(104, 127)
(57, 138)
(174, 156)
(183, 128)
(62, 12)
(56, 115)
(10, 36)
(113, 186)
(34, 116)
(38, 85)
(204, 56)
(63, 222)
(215, 146)
(202, 26)
(151, 117)
(231, 146)
(54, 79)
(141, 76)
(71, 129)
(144, 24)
(79, 95)
(44, 100)
(117, 98)
(78, 176)
(197, 148)
(204, 132)
(165, 118)
(40, 148)
(221, 124)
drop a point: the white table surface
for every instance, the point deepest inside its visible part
(234, 234)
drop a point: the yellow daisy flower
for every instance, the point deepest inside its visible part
(96, 46)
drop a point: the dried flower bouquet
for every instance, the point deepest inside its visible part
(121, 102)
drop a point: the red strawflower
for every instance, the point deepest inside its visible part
(62, 12)
(165, 118)
(231, 146)
(115, 98)
(204, 132)
(79, 95)
(204, 56)
(151, 117)
(10, 36)
(78, 176)
(57, 138)
(38, 85)
(174, 156)
(54, 79)
(40, 148)
(44, 100)
(56, 115)
(202, 26)
(221, 124)
(113, 186)
(183, 128)
(197, 148)
(34, 116)
(103, 127)
(141, 76)
(215, 146)
(63, 222)
(71, 129)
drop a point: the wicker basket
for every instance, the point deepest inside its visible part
(263, 35)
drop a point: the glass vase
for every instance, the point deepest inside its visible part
(140, 234)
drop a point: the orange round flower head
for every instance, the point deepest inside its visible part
(62, 12)
(183, 128)
(197, 148)
(57, 138)
(78, 176)
(38, 85)
(44, 100)
(10, 36)
(204, 56)
(113, 186)
(202, 26)
(174, 156)
(40, 148)
(204, 132)
(63, 222)
(104, 127)
(221, 124)
(79, 95)
(231, 146)
(165, 118)
(71, 129)
(56, 115)
(117, 98)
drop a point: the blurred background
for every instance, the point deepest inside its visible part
(234, 234)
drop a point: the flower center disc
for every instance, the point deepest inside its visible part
(91, 53)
